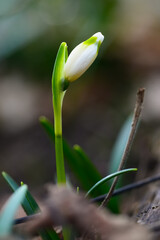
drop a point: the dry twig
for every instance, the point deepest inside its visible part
(136, 117)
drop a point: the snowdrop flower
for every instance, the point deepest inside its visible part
(82, 57)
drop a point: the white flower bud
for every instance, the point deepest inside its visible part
(82, 57)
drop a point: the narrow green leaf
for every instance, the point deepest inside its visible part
(70, 155)
(14, 186)
(89, 170)
(48, 127)
(32, 203)
(120, 145)
(49, 234)
(30, 206)
(87, 164)
(77, 160)
(105, 179)
(75, 163)
(8, 213)
(116, 156)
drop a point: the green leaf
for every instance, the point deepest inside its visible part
(70, 155)
(87, 164)
(105, 179)
(48, 127)
(32, 203)
(8, 213)
(120, 145)
(116, 156)
(26, 204)
(77, 160)
(30, 206)
(91, 173)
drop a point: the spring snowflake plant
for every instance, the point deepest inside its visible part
(66, 70)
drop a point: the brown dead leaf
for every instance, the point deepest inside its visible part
(64, 206)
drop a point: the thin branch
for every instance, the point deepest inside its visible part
(119, 191)
(136, 117)
(26, 218)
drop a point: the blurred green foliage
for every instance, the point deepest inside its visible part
(32, 30)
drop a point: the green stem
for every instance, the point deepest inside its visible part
(61, 178)
(58, 94)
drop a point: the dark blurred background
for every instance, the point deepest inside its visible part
(95, 106)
